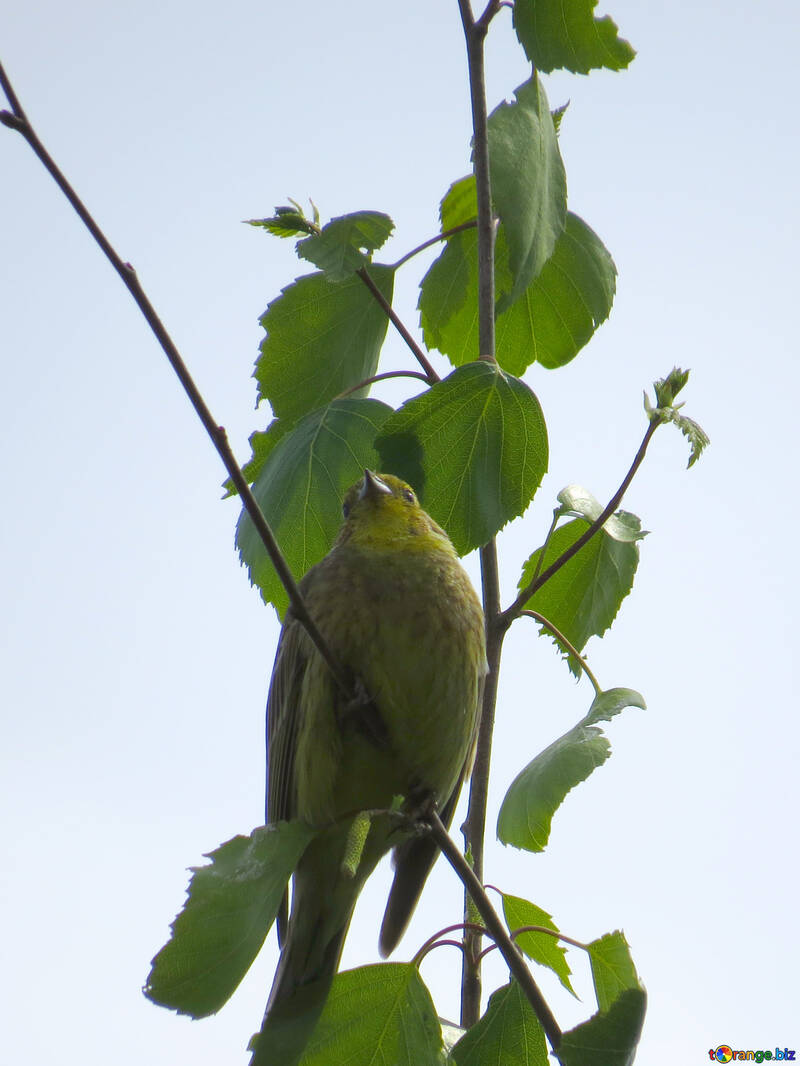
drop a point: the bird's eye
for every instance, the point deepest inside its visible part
(408, 495)
(345, 509)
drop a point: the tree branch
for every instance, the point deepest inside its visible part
(496, 929)
(394, 318)
(219, 438)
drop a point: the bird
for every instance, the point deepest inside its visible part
(400, 615)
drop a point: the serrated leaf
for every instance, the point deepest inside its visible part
(612, 968)
(474, 446)
(508, 1034)
(562, 308)
(339, 248)
(381, 1013)
(694, 433)
(529, 189)
(539, 790)
(565, 35)
(610, 1037)
(459, 204)
(552, 320)
(582, 599)
(232, 902)
(544, 949)
(301, 486)
(323, 337)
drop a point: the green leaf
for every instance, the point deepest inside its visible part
(508, 1034)
(529, 186)
(666, 410)
(565, 35)
(612, 968)
(448, 300)
(459, 204)
(323, 337)
(552, 320)
(286, 222)
(230, 907)
(301, 486)
(339, 249)
(542, 948)
(539, 790)
(583, 597)
(474, 446)
(377, 1014)
(578, 501)
(560, 310)
(610, 1037)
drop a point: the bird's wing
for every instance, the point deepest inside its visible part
(284, 709)
(414, 858)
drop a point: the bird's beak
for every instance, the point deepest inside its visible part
(373, 487)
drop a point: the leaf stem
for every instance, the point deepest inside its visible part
(384, 377)
(567, 644)
(509, 950)
(435, 940)
(219, 438)
(506, 617)
(394, 318)
(443, 236)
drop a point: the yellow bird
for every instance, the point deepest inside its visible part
(400, 615)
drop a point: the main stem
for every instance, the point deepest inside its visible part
(475, 824)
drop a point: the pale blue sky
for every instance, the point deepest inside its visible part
(134, 656)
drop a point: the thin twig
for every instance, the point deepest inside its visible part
(419, 355)
(19, 121)
(496, 929)
(443, 236)
(567, 644)
(506, 617)
(550, 932)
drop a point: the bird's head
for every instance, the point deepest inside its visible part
(382, 512)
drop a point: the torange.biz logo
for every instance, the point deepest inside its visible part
(726, 1054)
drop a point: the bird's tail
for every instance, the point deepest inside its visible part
(323, 900)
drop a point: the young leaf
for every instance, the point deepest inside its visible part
(474, 446)
(539, 790)
(546, 950)
(564, 35)
(286, 222)
(339, 248)
(382, 1013)
(230, 907)
(610, 1037)
(612, 968)
(583, 597)
(322, 338)
(666, 410)
(301, 486)
(529, 187)
(508, 1034)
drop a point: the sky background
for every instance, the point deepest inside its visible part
(134, 656)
